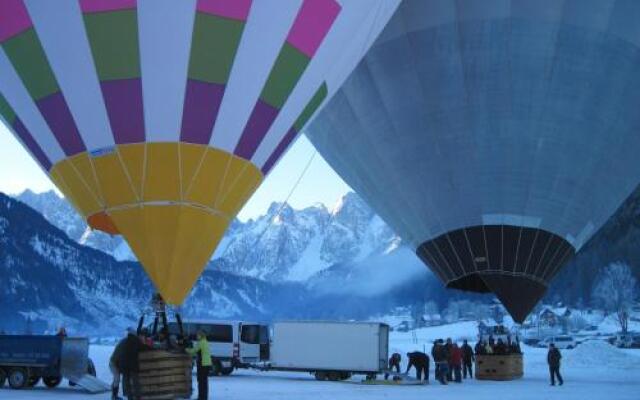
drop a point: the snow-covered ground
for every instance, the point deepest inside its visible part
(595, 370)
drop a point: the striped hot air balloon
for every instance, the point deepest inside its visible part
(158, 119)
(496, 137)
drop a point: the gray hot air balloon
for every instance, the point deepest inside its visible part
(495, 136)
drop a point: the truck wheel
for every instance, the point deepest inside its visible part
(3, 377)
(216, 368)
(226, 371)
(345, 375)
(18, 378)
(52, 381)
(320, 375)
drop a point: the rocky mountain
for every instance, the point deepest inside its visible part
(343, 263)
(284, 244)
(617, 241)
(52, 280)
(62, 215)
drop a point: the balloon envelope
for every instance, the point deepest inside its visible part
(496, 137)
(158, 119)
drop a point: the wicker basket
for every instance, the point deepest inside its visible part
(164, 375)
(499, 368)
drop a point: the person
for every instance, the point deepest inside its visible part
(440, 359)
(129, 367)
(488, 349)
(203, 364)
(115, 367)
(500, 348)
(420, 361)
(146, 338)
(62, 332)
(479, 348)
(553, 359)
(434, 350)
(467, 360)
(492, 343)
(394, 362)
(455, 360)
(447, 348)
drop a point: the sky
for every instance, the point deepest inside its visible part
(320, 184)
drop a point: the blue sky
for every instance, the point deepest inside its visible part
(318, 185)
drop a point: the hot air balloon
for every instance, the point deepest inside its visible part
(496, 137)
(158, 119)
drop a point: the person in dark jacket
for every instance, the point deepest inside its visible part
(467, 359)
(479, 348)
(553, 359)
(447, 348)
(129, 366)
(455, 360)
(394, 362)
(434, 350)
(440, 359)
(114, 367)
(500, 348)
(420, 361)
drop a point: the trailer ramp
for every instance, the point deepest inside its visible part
(74, 365)
(92, 384)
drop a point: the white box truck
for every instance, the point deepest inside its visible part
(330, 350)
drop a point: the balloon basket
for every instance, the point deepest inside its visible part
(499, 367)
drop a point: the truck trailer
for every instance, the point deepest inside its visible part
(25, 359)
(329, 350)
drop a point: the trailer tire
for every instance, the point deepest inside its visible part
(3, 377)
(18, 378)
(226, 371)
(33, 380)
(333, 376)
(51, 381)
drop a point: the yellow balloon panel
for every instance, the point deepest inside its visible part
(204, 188)
(162, 172)
(172, 202)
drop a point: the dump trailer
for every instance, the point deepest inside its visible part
(330, 350)
(25, 359)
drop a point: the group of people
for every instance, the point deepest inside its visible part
(499, 347)
(454, 363)
(124, 364)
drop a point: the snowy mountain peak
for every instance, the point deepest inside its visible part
(283, 244)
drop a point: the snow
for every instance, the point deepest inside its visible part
(594, 371)
(596, 352)
(310, 261)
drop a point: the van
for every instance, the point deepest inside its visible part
(561, 342)
(233, 344)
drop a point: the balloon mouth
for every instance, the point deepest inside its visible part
(518, 294)
(515, 263)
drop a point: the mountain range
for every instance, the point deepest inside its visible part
(340, 263)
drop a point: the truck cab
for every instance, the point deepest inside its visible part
(233, 344)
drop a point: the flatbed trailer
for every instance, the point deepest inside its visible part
(26, 359)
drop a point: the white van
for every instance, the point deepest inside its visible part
(233, 344)
(561, 342)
